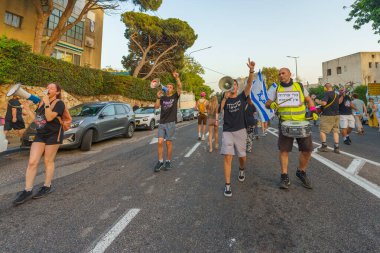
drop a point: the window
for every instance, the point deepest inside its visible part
(370, 64)
(329, 72)
(76, 59)
(127, 108)
(376, 64)
(339, 70)
(73, 36)
(12, 19)
(120, 109)
(109, 111)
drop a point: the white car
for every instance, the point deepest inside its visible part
(147, 117)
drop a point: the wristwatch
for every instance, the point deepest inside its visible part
(47, 106)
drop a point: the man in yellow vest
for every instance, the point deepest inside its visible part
(295, 112)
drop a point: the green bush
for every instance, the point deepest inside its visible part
(18, 64)
(361, 90)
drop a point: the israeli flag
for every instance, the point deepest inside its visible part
(259, 96)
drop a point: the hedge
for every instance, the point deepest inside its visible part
(19, 64)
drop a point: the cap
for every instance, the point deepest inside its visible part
(203, 94)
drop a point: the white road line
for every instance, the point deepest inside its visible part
(111, 235)
(367, 185)
(355, 166)
(192, 149)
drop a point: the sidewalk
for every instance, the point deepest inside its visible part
(13, 146)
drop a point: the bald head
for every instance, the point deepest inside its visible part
(284, 75)
(328, 86)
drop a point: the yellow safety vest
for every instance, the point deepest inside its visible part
(293, 113)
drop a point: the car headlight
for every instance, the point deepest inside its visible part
(145, 119)
(76, 124)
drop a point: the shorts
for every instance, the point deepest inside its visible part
(9, 125)
(212, 122)
(51, 139)
(202, 118)
(234, 142)
(347, 121)
(329, 123)
(166, 131)
(285, 143)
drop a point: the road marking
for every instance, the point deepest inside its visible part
(177, 179)
(155, 140)
(353, 168)
(111, 235)
(192, 149)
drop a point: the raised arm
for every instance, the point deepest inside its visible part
(179, 84)
(251, 66)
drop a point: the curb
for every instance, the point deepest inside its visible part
(11, 151)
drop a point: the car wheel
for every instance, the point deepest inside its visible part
(87, 140)
(152, 124)
(130, 131)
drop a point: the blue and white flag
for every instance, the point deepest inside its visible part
(259, 97)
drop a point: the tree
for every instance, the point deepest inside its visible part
(318, 91)
(364, 12)
(155, 45)
(271, 75)
(44, 9)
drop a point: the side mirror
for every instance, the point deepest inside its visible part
(101, 116)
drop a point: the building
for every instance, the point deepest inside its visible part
(81, 45)
(359, 68)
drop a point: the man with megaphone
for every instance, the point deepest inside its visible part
(168, 117)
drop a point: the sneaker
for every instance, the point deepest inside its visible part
(304, 179)
(285, 182)
(199, 138)
(323, 149)
(43, 191)
(241, 176)
(22, 197)
(336, 150)
(227, 190)
(167, 165)
(159, 166)
(347, 141)
(348, 138)
(203, 137)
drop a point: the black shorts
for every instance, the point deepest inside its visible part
(285, 143)
(9, 125)
(202, 118)
(51, 139)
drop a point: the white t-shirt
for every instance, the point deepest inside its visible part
(272, 92)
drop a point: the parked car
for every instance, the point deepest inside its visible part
(179, 116)
(147, 117)
(196, 113)
(92, 122)
(187, 114)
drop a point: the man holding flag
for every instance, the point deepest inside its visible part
(293, 113)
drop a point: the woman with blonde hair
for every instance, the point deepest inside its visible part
(213, 121)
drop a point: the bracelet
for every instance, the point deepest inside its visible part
(252, 71)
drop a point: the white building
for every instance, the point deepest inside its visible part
(359, 68)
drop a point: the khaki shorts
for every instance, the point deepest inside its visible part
(234, 142)
(329, 124)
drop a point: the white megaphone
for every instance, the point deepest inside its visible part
(16, 90)
(156, 84)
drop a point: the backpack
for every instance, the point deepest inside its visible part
(202, 107)
(66, 119)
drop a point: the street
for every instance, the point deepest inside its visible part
(110, 200)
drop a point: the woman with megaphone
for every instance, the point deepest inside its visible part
(47, 140)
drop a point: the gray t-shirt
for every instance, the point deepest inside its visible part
(358, 107)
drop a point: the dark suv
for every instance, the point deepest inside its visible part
(93, 122)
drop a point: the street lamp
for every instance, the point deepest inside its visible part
(295, 58)
(199, 50)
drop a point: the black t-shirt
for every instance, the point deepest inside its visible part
(332, 109)
(249, 115)
(345, 106)
(169, 108)
(14, 103)
(45, 127)
(234, 118)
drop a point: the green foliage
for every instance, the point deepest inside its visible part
(157, 44)
(364, 12)
(18, 64)
(146, 5)
(271, 75)
(361, 90)
(318, 91)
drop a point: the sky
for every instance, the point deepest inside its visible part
(267, 31)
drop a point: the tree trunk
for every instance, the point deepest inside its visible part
(41, 21)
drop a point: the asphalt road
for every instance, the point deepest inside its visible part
(184, 210)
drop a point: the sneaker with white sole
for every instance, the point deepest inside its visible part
(227, 190)
(241, 176)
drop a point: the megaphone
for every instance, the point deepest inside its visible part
(226, 83)
(156, 84)
(17, 90)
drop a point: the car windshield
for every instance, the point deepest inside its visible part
(185, 110)
(144, 110)
(85, 110)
